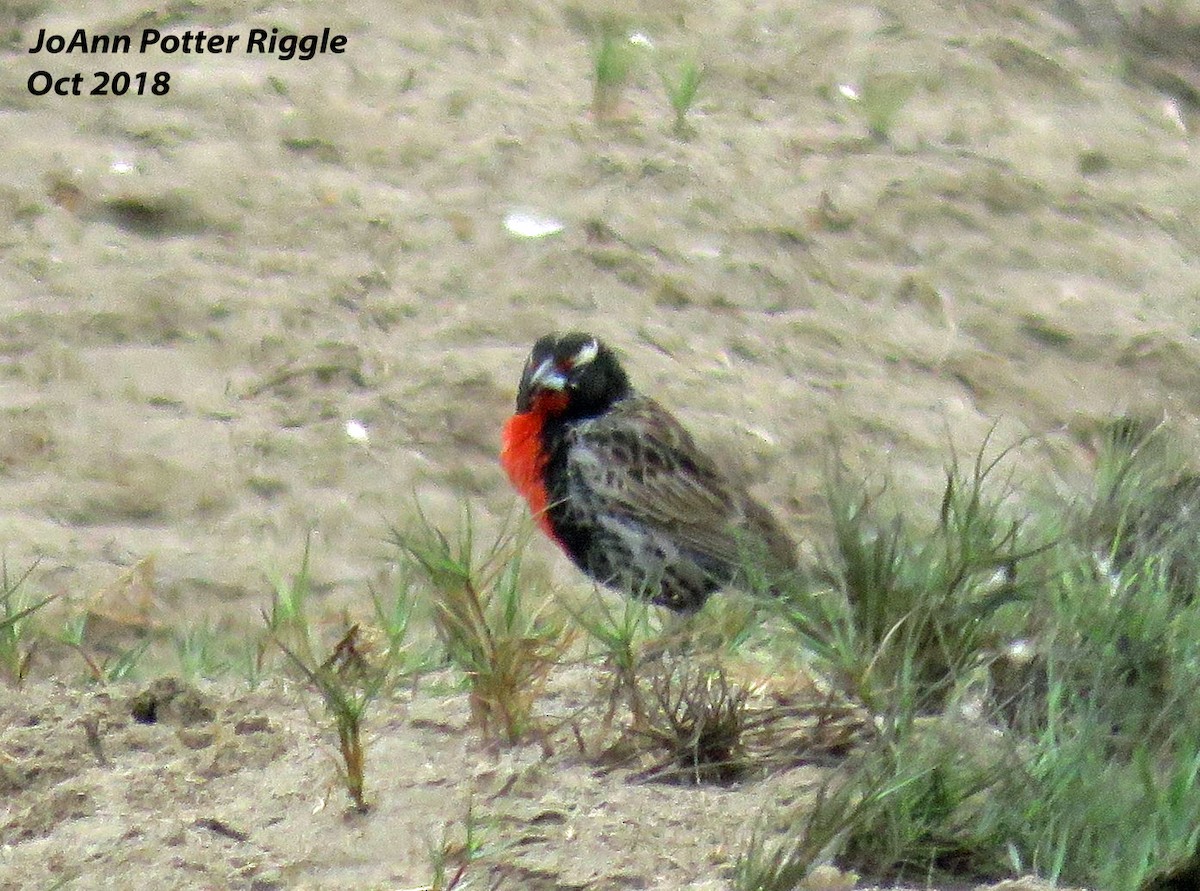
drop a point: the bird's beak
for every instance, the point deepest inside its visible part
(547, 377)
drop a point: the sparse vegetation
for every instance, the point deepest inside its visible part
(699, 718)
(288, 623)
(348, 682)
(201, 654)
(1005, 230)
(17, 635)
(612, 63)
(104, 665)
(980, 674)
(981, 767)
(622, 631)
(450, 859)
(501, 634)
(913, 610)
(882, 98)
(349, 677)
(682, 91)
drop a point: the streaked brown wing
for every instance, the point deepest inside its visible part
(642, 463)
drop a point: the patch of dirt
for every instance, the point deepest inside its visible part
(229, 789)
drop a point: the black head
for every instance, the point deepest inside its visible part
(573, 375)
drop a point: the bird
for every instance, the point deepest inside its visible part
(622, 488)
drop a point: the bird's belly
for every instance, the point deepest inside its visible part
(644, 564)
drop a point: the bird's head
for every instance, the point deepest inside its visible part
(573, 375)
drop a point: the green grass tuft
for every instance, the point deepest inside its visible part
(1031, 678)
(882, 99)
(347, 682)
(18, 633)
(348, 677)
(497, 628)
(612, 63)
(682, 91)
(911, 614)
(699, 718)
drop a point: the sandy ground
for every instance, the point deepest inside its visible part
(200, 290)
(230, 790)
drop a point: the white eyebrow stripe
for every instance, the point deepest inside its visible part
(587, 353)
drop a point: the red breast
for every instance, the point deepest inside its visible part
(524, 461)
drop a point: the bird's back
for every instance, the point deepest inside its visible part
(639, 507)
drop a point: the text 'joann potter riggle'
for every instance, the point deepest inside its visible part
(258, 41)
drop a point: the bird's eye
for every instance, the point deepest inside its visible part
(566, 366)
(586, 354)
